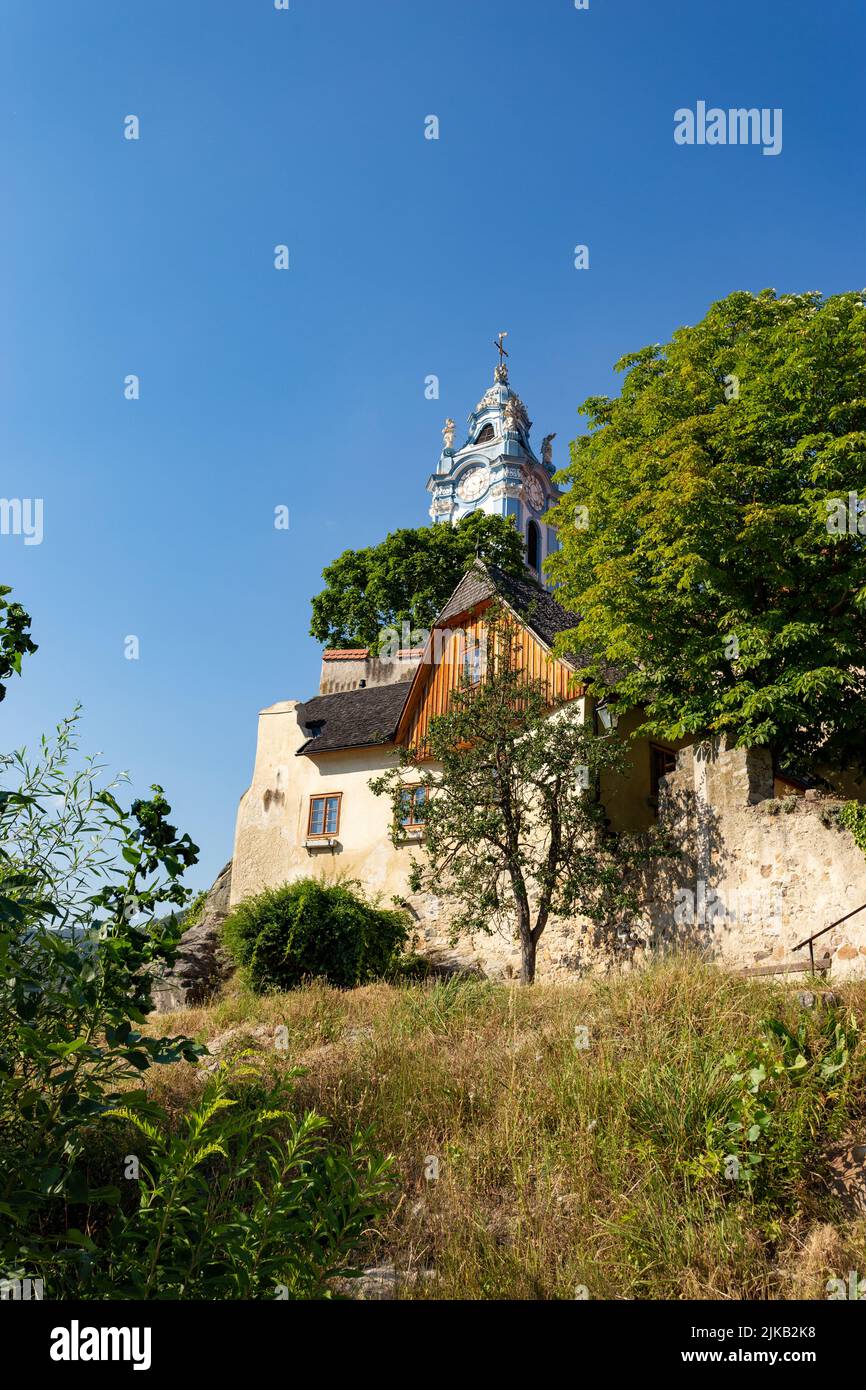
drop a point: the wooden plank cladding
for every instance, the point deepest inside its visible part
(449, 653)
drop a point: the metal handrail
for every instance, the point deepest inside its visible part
(814, 937)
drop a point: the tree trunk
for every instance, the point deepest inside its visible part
(525, 933)
(527, 955)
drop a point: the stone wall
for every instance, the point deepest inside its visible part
(754, 876)
(347, 670)
(758, 874)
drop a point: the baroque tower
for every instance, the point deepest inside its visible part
(497, 470)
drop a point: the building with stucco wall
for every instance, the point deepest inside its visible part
(309, 809)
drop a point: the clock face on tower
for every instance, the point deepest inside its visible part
(473, 482)
(534, 493)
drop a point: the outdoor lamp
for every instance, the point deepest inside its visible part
(608, 717)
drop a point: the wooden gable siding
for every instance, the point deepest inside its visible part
(437, 679)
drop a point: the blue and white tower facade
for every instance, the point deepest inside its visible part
(497, 471)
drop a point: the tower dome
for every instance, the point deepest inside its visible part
(497, 471)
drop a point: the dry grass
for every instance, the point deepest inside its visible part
(559, 1167)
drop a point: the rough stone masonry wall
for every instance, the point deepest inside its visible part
(754, 877)
(759, 874)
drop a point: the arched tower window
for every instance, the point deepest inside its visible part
(486, 434)
(533, 546)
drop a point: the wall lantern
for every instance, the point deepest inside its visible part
(607, 717)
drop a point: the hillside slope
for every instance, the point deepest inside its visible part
(586, 1140)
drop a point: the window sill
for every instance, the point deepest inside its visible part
(322, 842)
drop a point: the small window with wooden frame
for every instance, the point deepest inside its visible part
(324, 817)
(473, 660)
(413, 801)
(662, 761)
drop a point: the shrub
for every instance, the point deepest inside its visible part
(310, 929)
(194, 913)
(783, 1090)
(239, 1198)
(80, 883)
(243, 1200)
(853, 817)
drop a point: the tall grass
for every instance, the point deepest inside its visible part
(564, 1167)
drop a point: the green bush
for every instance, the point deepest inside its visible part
(774, 1115)
(242, 1200)
(80, 883)
(853, 817)
(310, 929)
(238, 1198)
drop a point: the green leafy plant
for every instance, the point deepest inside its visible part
(782, 1088)
(80, 883)
(243, 1200)
(15, 639)
(311, 929)
(853, 817)
(238, 1199)
(194, 913)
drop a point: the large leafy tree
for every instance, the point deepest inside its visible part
(407, 578)
(701, 538)
(512, 830)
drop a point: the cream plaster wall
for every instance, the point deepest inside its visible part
(273, 815)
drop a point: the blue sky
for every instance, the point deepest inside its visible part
(305, 387)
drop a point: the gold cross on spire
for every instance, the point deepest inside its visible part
(499, 347)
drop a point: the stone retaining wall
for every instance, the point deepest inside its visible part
(755, 876)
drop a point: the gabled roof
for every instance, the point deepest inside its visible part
(370, 716)
(359, 718)
(532, 603)
(539, 612)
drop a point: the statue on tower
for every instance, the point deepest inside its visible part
(514, 415)
(448, 434)
(547, 448)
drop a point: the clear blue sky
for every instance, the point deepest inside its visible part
(306, 387)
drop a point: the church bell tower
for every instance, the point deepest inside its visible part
(497, 471)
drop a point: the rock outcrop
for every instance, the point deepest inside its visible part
(201, 965)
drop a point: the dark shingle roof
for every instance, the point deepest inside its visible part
(353, 718)
(475, 586)
(534, 604)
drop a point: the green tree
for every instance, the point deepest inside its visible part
(512, 830)
(701, 541)
(407, 578)
(15, 639)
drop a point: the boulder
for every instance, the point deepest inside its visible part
(382, 1282)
